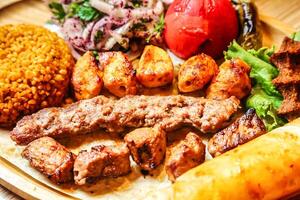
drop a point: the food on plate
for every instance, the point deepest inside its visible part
(147, 147)
(184, 156)
(118, 73)
(265, 168)
(250, 36)
(155, 67)
(87, 78)
(231, 80)
(109, 25)
(50, 158)
(166, 112)
(196, 72)
(262, 71)
(101, 161)
(288, 81)
(243, 130)
(35, 65)
(264, 98)
(266, 107)
(198, 26)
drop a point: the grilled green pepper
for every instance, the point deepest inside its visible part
(250, 35)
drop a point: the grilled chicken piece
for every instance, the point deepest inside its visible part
(101, 161)
(232, 80)
(184, 156)
(147, 147)
(244, 129)
(50, 158)
(119, 76)
(155, 67)
(196, 72)
(86, 77)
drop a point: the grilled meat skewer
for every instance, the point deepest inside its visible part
(166, 112)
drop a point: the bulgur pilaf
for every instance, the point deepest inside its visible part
(35, 67)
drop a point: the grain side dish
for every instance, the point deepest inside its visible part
(35, 67)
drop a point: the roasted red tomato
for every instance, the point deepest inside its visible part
(193, 26)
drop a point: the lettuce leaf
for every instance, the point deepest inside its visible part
(262, 72)
(264, 98)
(266, 107)
(263, 53)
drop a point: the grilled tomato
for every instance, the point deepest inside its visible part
(193, 26)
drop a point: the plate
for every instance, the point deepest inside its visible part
(27, 182)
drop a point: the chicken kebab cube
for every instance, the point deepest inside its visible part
(184, 156)
(101, 161)
(147, 147)
(50, 158)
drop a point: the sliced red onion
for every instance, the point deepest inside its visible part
(88, 30)
(73, 29)
(102, 6)
(119, 31)
(148, 12)
(74, 53)
(101, 25)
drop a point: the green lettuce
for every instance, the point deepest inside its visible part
(266, 107)
(262, 72)
(264, 98)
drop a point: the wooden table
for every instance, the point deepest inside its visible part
(286, 11)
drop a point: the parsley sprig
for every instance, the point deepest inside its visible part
(158, 28)
(82, 9)
(57, 10)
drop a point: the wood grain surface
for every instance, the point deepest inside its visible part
(33, 11)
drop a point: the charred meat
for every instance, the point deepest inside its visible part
(232, 80)
(166, 112)
(287, 60)
(147, 147)
(50, 158)
(244, 129)
(184, 156)
(101, 161)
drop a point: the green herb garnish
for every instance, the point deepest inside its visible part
(261, 71)
(264, 98)
(98, 36)
(84, 11)
(57, 10)
(158, 28)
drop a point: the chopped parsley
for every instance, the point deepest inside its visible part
(158, 28)
(98, 36)
(57, 10)
(96, 55)
(84, 11)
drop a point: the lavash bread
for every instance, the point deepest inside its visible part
(265, 168)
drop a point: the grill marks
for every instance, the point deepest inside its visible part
(288, 81)
(244, 129)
